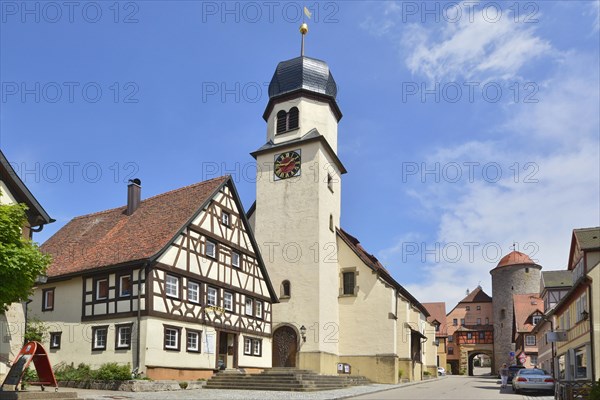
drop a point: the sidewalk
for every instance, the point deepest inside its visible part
(217, 394)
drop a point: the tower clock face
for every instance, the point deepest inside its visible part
(287, 164)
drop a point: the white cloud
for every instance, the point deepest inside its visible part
(537, 208)
(472, 49)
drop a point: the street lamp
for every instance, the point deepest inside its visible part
(585, 315)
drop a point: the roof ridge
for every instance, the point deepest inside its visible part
(97, 213)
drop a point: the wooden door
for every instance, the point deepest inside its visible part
(285, 347)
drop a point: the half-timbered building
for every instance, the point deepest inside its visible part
(174, 285)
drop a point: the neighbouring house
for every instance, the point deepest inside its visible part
(553, 286)
(577, 348)
(437, 317)
(528, 312)
(12, 321)
(173, 285)
(470, 331)
(339, 308)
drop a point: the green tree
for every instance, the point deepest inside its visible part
(21, 261)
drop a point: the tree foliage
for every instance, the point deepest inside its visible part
(21, 261)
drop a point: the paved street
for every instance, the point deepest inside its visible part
(454, 388)
(446, 388)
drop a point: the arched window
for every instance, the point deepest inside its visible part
(293, 117)
(281, 121)
(286, 121)
(286, 290)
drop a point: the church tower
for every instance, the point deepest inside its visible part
(298, 195)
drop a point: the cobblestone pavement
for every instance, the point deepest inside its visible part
(209, 394)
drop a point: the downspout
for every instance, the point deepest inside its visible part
(591, 322)
(139, 316)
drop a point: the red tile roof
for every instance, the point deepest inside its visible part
(111, 237)
(515, 258)
(437, 312)
(372, 262)
(525, 305)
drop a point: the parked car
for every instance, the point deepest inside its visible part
(441, 371)
(512, 371)
(533, 379)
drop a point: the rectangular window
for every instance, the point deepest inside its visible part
(211, 249)
(468, 308)
(193, 341)
(462, 321)
(211, 298)
(257, 347)
(225, 218)
(450, 350)
(193, 292)
(48, 299)
(125, 285)
(450, 339)
(478, 308)
(123, 336)
(454, 321)
(581, 364)
(530, 340)
(252, 347)
(478, 321)
(172, 286)
(533, 359)
(487, 321)
(55, 340)
(249, 304)
(259, 309)
(99, 334)
(101, 289)
(469, 335)
(536, 319)
(482, 335)
(349, 283)
(172, 338)
(235, 259)
(228, 301)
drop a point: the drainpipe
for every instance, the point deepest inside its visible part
(139, 316)
(592, 344)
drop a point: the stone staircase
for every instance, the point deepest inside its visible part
(48, 394)
(284, 379)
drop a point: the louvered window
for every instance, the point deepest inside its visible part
(281, 121)
(293, 117)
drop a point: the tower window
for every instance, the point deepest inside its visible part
(293, 118)
(330, 182)
(286, 289)
(348, 283)
(287, 121)
(281, 121)
(331, 227)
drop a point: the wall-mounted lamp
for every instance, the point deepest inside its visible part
(303, 333)
(585, 315)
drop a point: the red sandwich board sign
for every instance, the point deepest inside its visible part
(32, 351)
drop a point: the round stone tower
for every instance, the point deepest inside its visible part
(516, 273)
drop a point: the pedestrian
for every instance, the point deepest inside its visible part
(504, 375)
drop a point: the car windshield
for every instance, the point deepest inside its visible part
(532, 372)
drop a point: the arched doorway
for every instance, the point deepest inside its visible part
(480, 363)
(285, 347)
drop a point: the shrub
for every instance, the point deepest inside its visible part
(426, 373)
(66, 372)
(595, 392)
(30, 375)
(183, 385)
(112, 372)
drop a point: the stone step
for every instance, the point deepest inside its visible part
(48, 394)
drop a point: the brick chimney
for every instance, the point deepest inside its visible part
(134, 195)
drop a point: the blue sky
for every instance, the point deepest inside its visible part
(466, 127)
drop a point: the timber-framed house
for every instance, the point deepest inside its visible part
(174, 285)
